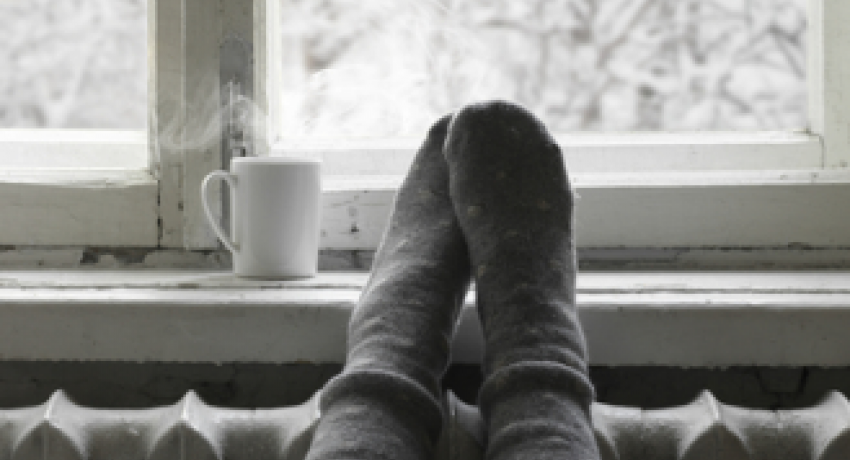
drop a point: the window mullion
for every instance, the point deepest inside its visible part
(267, 72)
(165, 96)
(829, 78)
(186, 101)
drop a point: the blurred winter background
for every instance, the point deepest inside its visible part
(73, 64)
(390, 67)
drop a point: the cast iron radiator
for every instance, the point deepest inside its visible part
(191, 430)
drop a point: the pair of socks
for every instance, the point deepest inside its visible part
(487, 197)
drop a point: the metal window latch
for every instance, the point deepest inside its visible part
(237, 91)
(235, 136)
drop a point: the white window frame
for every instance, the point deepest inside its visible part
(653, 190)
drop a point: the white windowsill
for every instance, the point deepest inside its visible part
(699, 319)
(636, 318)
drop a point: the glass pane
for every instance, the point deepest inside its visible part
(390, 67)
(73, 64)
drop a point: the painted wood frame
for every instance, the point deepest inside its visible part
(829, 79)
(187, 37)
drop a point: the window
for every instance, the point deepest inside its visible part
(592, 69)
(65, 185)
(713, 191)
(581, 65)
(637, 190)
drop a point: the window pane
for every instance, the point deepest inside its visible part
(390, 67)
(73, 64)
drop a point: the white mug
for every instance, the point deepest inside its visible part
(274, 215)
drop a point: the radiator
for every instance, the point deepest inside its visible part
(191, 430)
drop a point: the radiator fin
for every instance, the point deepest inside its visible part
(709, 430)
(705, 429)
(42, 433)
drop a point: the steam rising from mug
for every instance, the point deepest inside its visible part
(203, 128)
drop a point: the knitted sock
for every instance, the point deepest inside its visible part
(386, 404)
(514, 204)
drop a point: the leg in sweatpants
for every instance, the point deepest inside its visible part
(514, 204)
(386, 404)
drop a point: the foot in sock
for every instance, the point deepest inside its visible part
(386, 404)
(514, 204)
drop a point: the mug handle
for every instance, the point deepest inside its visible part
(205, 193)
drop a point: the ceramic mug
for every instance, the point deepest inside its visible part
(274, 215)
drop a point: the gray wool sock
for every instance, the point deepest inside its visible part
(514, 204)
(386, 404)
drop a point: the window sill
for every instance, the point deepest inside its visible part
(705, 209)
(693, 319)
(76, 206)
